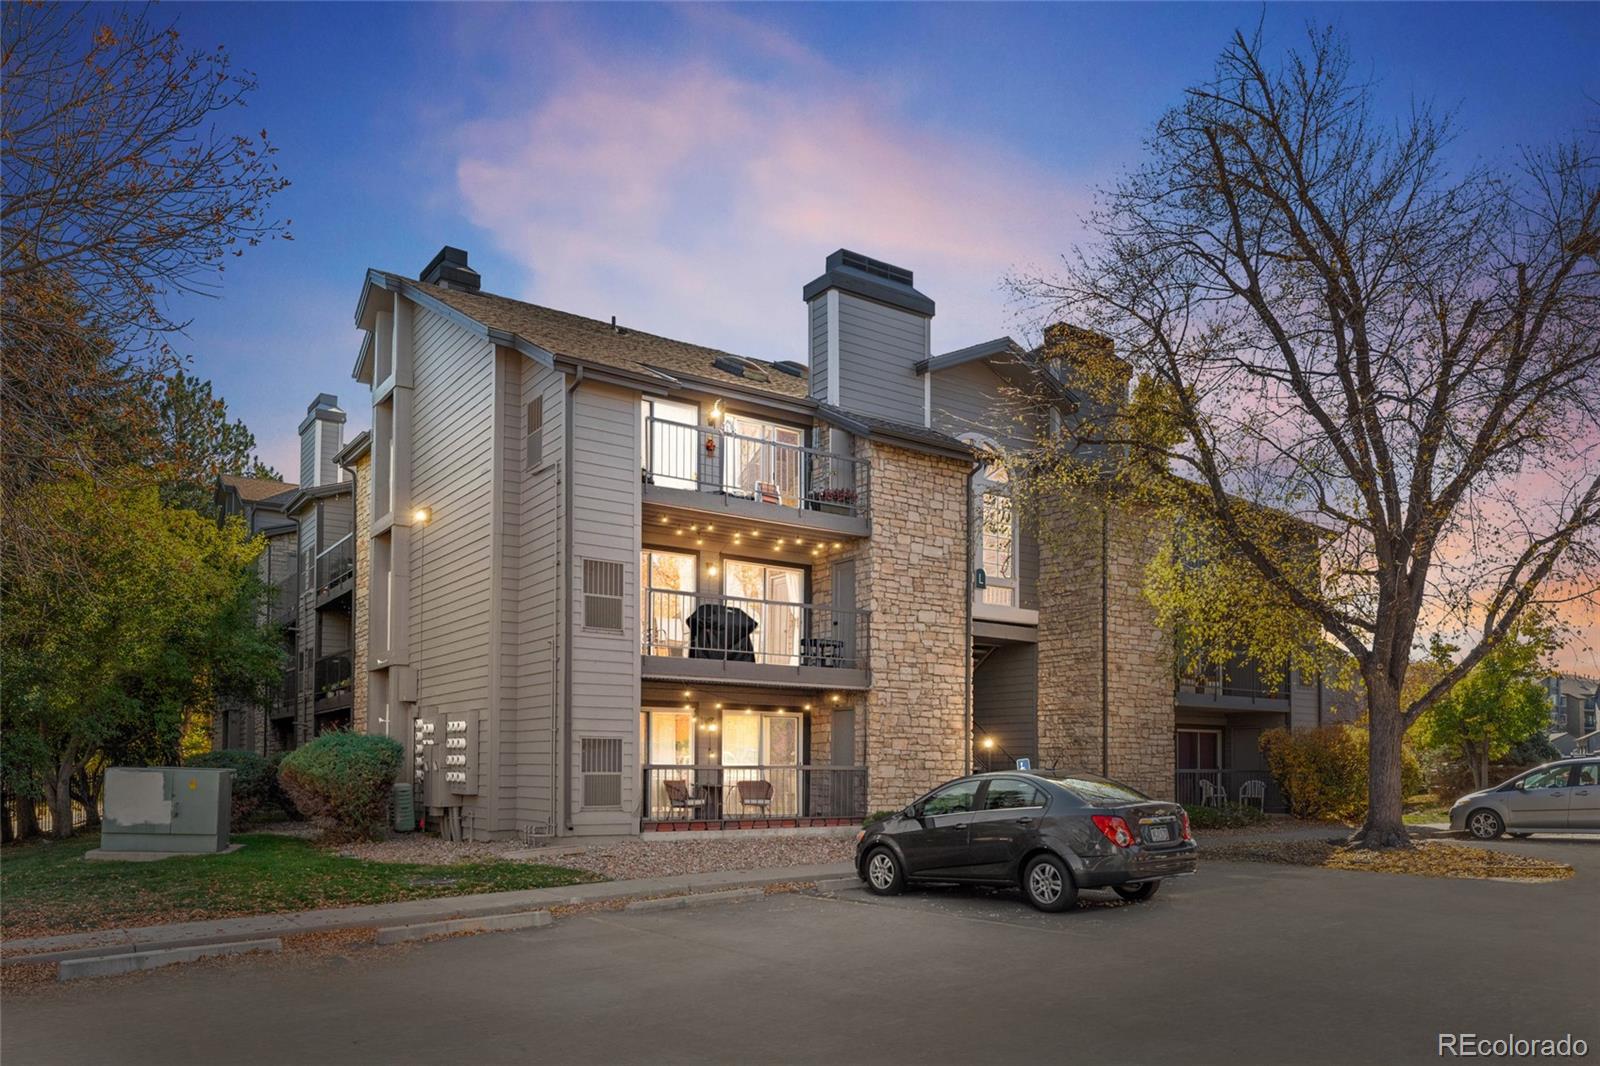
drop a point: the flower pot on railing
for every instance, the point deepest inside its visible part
(836, 501)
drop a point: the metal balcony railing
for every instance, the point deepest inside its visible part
(284, 601)
(712, 793)
(738, 629)
(1237, 681)
(336, 563)
(331, 677)
(708, 459)
(1218, 788)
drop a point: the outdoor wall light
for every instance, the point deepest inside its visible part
(712, 569)
(420, 516)
(988, 742)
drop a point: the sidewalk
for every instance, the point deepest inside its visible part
(224, 930)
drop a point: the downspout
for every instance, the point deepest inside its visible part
(1105, 638)
(565, 745)
(966, 691)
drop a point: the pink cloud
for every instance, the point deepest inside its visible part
(693, 200)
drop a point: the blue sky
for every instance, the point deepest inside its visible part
(688, 168)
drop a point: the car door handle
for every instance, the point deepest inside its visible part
(1024, 820)
(1581, 792)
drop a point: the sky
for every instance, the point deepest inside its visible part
(688, 168)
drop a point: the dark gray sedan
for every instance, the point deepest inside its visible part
(1049, 832)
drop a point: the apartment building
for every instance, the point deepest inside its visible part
(621, 582)
(309, 567)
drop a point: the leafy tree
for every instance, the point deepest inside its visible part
(1497, 705)
(134, 630)
(199, 442)
(1330, 331)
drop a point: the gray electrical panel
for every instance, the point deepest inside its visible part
(166, 808)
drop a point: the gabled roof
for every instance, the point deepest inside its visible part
(256, 489)
(560, 335)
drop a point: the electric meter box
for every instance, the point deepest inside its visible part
(167, 808)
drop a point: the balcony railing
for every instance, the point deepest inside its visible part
(288, 695)
(336, 563)
(1237, 681)
(331, 677)
(707, 459)
(738, 629)
(1215, 788)
(713, 793)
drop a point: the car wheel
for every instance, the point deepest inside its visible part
(884, 875)
(1485, 824)
(1048, 884)
(1137, 891)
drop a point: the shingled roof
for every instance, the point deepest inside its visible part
(257, 489)
(591, 341)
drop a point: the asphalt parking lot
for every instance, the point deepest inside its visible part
(1243, 963)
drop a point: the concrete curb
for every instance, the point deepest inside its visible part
(840, 884)
(133, 962)
(694, 899)
(193, 934)
(396, 934)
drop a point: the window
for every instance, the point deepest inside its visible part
(670, 432)
(533, 430)
(1589, 773)
(952, 799)
(1098, 790)
(1007, 794)
(1555, 777)
(996, 520)
(774, 596)
(667, 586)
(602, 594)
(602, 771)
(763, 460)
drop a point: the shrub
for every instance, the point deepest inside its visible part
(1229, 816)
(1323, 772)
(277, 795)
(252, 780)
(341, 782)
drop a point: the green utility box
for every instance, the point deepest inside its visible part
(166, 808)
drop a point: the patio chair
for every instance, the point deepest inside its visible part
(1212, 794)
(1254, 791)
(757, 794)
(679, 798)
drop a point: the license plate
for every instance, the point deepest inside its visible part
(1159, 834)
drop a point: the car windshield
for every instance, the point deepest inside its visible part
(1098, 790)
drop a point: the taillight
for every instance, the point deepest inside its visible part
(1115, 829)
(1185, 816)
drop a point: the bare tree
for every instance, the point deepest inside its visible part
(1328, 327)
(115, 174)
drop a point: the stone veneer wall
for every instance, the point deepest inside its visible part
(361, 471)
(1140, 653)
(912, 577)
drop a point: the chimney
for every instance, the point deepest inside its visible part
(869, 328)
(449, 270)
(321, 437)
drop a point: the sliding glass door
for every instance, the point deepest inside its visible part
(764, 460)
(667, 585)
(668, 741)
(774, 596)
(761, 765)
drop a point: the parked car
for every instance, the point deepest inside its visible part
(1050, 833)
(1558, 797)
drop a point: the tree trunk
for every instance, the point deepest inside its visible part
(1385, 824)
(58, 792)
(1477, 766)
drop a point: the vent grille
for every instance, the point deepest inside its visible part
(876, 267)
(602, 771)
(602, 594)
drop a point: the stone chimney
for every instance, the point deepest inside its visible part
(869, 328)
(321, 437)
(449, 269)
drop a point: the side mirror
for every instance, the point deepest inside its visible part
(912, 813)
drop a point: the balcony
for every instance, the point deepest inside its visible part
(1236, 687)
(1218, 788)
(331, 683)
(718, 797)
(335, 569)
(720, 473)
(288, 695)
(283, 601)
(688, 636)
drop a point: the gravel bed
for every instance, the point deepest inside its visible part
(623, 861)
(1428, 858)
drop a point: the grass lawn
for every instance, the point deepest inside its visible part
(50, 888)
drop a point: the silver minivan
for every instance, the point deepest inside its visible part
(1558, 797)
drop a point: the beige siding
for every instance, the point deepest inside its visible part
(452, 462)
(606, 517)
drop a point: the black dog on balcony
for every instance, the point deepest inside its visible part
(717, 631)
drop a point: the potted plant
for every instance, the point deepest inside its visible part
(836, 501)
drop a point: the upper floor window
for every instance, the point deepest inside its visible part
(997, 527)
(763, 460)
(669, 431)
